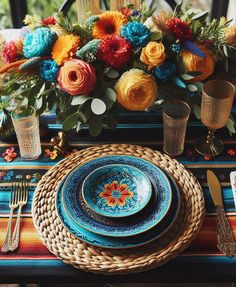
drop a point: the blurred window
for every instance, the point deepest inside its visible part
(5, 15)
(44, 8)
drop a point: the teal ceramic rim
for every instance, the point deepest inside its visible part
(119, 235)
(176, 213)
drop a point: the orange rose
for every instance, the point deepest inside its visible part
(195, 63)
(136, 90)
(153, 54)
(76, 77)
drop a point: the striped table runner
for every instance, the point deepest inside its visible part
(32, 252)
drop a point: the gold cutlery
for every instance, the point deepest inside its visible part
(225, 237)
(22, 197)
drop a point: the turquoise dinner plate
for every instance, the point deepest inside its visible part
(116, 190)
(119, 242)
(130, 226)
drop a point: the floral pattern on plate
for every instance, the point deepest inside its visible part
(116, 190)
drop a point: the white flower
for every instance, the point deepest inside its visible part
(156, 33)
(149, 23)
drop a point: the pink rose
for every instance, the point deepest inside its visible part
(76, 77)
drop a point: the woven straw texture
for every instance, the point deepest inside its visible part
(107, 261)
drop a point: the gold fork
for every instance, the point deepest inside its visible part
(22, 200)
(13, 204)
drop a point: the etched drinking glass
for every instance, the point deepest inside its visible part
(26, 126)
(216, 104)
(175, 116)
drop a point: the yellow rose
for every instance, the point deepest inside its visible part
(136, 90)
(153, 54)
(195, 63)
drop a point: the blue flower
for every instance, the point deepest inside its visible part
(165, 71)
(38, 42)
(136, 12)
(136, 33)
(48, 70)
(176, 48)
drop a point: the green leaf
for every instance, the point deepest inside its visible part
(85, 108)
(79, 100)
(41, 91)
(78, 126)
(36, 89)
(81, 117)
(192, 88)
(31, 100)
(225, 51)
(38, 103)
(43, 107)
(199, 85)
(231, 126)
(226, 64)
(186, 77)
(110, 97)
(155, 36)
(70, 121)
(196, 26)
(197, 111)
(111, 73)
(95, 125)
(98, 106)
(50, 99)
(177, 9)
(200, 15)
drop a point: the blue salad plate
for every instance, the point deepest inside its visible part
(116, 190)
(150, 216)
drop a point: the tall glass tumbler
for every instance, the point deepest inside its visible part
(175, 117)
(26, 126)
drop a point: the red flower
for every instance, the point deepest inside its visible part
(207, 157)
(115, 51)
(10, 52)
(126, 11)
(116, 193)
(52, 154)
(2, 174)
(9, 154)
(231, 152)
(49, 21)
(179, 29)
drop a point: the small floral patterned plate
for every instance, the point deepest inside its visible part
(116, 190)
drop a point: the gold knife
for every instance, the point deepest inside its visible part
(225, 237)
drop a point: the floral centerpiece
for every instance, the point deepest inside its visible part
(126, 59)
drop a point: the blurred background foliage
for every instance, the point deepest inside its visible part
(44, 8)
(41, 8)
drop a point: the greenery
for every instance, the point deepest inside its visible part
(175, 36)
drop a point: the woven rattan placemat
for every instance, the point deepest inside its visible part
(99, 260)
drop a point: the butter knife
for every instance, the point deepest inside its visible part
(225, 237)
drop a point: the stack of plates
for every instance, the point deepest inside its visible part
(118, 201)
